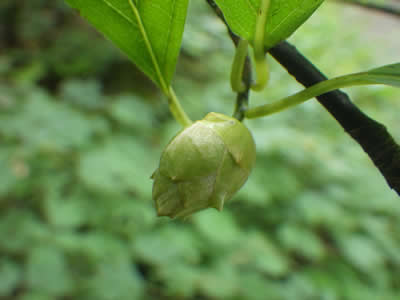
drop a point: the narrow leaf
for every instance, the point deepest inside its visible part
(149, 33)
(284, 17)
(389, 75)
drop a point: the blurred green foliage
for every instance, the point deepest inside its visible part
(81, 131)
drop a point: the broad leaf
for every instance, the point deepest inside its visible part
(11, 274)
(151, 37)
(121, 165)
(284, 17)
(40, 125)
(47, 271)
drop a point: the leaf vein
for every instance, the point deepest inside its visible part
(169, 31)
(120, 13)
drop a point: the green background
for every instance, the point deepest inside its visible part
(81, 131)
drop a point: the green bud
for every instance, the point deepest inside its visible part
(203, 166)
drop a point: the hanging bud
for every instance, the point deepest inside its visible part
(203, 166)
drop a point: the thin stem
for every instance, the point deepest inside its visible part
(261, 64)
(309, 93)
(371, 135)
(173, 102)
(242, 99)
(262, 71)
(238, 65)
(177, 110)
(259, 35)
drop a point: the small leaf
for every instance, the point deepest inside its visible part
(372, 257)
(295, 237)
(114, 279)
(121, 165)
(389, 75)
(151, 38)
(228, 231)
(219, 282)
(284, 17)
(169, 245)
(10, 274)
(19, 230)
(259, 252)
(47, 271)
(8, 173)
(180, 279)
(124, 111)
(83, 93)
(253, 285)
(42, 124)
(35, 295)
(66, 212)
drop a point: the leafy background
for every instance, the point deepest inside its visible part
(81, 131)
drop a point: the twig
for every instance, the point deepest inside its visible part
(372, 136)
(242, 99)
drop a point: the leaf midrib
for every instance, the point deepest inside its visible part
(169, 31)
(143, 32)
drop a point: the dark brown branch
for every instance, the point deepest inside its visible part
(372, 136)
(391, 10)
(242, 99)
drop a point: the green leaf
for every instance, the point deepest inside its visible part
(284, 17)
(228, 231)
(121, 165)
(10, 274)
(83, 93)
(124, 111)
(130, 218)
(380, 229)
(95, 247)
(389, 75)
(36, 295)
(219, 282)
(169, 245)
(180, 279)
(9, 174)
(149, 32)
(68, 211)
(114, 279)
(20, 229)
(42, 124)
(295, 237)
(372, 257)
(47, 271)
(260, 253)
(254, 285)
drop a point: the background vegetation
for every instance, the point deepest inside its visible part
(81, 131)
